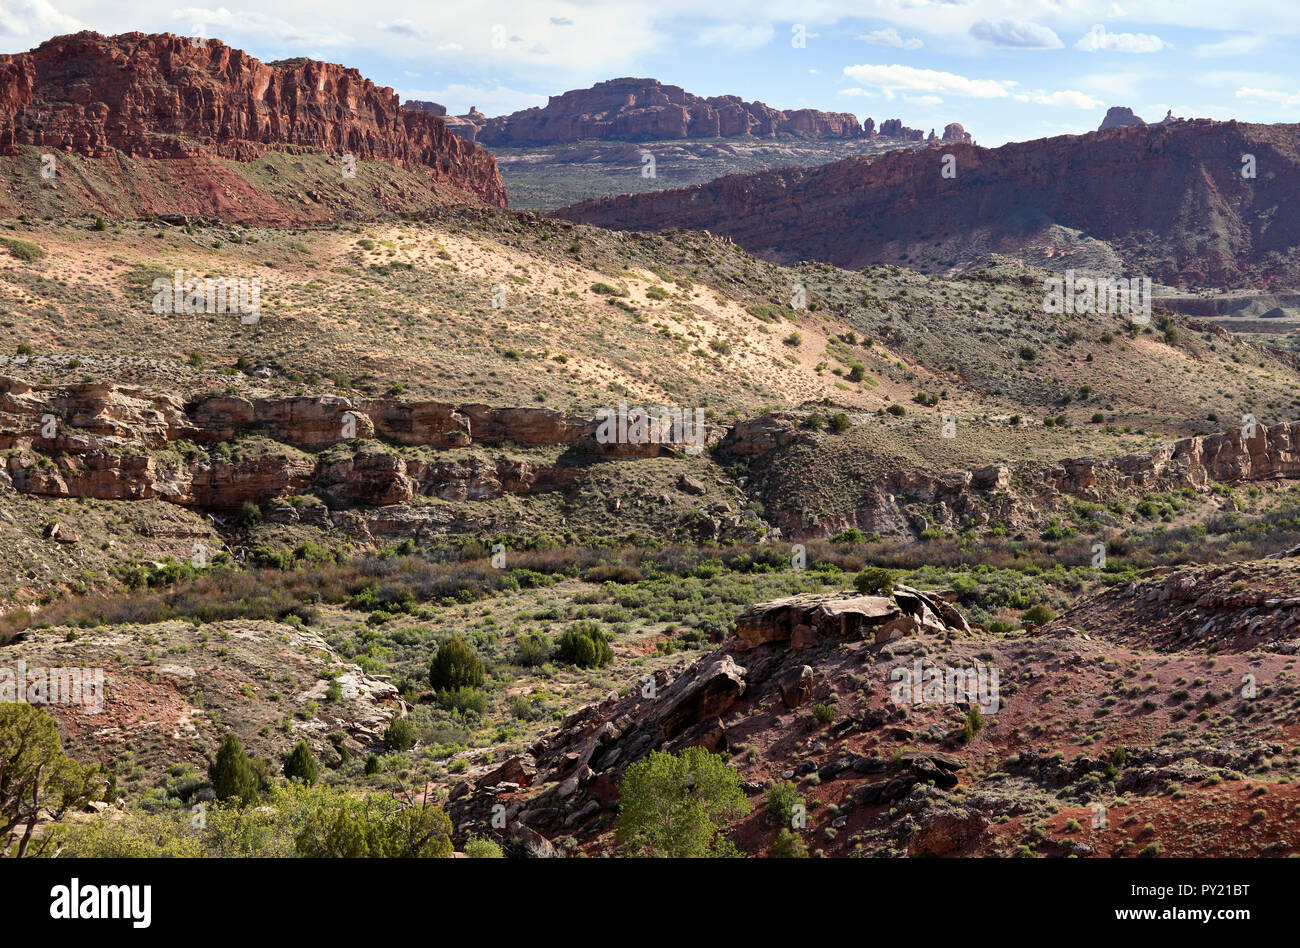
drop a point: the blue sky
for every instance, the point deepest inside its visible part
(1007, 71)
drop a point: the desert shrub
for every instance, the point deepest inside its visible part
(670, 805)
(781, 799)
(788, 845)
(400, 734)
(482, 849)
(373, 827)
(532, 649)
(1038, 614)
(455, 665)
(300, 764)
(823, 713)
(851, 535)
(23, 250)
(612, 573)
(585, 645)
(232, 773)
(875, 581)
(462, 700)
(249, 514)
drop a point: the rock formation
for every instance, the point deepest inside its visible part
(431, 108)
(160, 96)
(647, 110)
(894, 128)
(954, 132)
(1119, 116)
(567, 779)
(1147, 191)
(114, 443)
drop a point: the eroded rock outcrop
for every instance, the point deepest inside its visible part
(768, 667)
(111, 442)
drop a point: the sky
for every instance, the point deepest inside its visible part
(1008, 71)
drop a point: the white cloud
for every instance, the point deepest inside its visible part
(1016, 34)
(1287, 100)
(1097, 39)
(890, 37)
(1237, 45)
(404, 27)
(35, 19)
(458, 97)
(923, 99)
(737, 35)
(268, 30)
(899, 79)
(1063, 98)
(1114, 84)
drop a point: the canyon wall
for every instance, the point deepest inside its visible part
(160, 96)
(1153, 193)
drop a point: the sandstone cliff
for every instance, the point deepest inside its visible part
(109, 442)
(648, 110)
(218, 452)
(166, 97)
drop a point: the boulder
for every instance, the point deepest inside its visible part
(796, 686)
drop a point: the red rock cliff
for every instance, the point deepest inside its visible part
(1154, 193)
(648, 110)
(163, 96)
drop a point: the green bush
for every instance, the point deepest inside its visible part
(248, 515)
(300, 764)
(670, 805)
(788, 845)
(232, 774)
(23, 250)
(462, 700)
(1038, 614)
(824, 713)
(781, 799)
(400, 735)
(585, 645)
(532, 649)
(455, 665)
(482, 849)
(374, 827)
(875, 581)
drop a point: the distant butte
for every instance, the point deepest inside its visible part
(647, 110)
